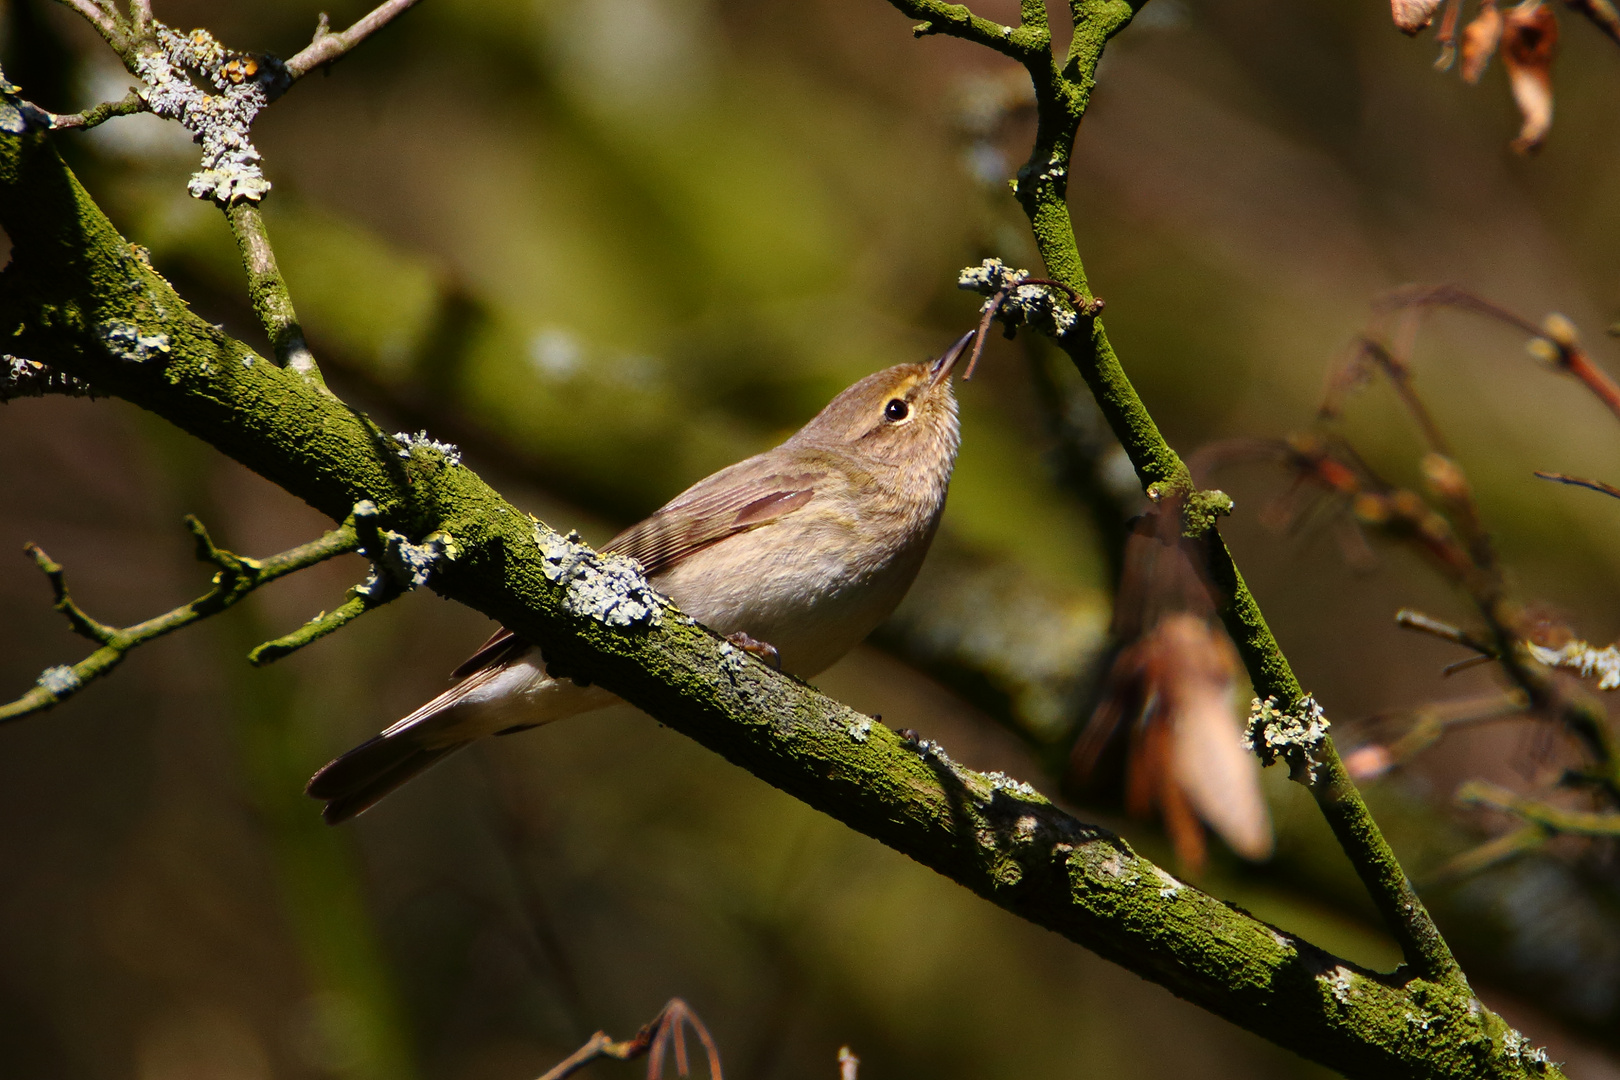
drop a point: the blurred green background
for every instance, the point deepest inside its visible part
(612, 246)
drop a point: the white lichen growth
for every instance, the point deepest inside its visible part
(60, 680)
(409, 444)
(1341, 983)
(1294, 735)
(20, 377)
(1169, 885)
(1584, 660)
(930, 748)
(1000, 781)
(413, 564)
(1039, 306)
(1518, 1048)
(373, 588)
(860, 728)
(126, 342)
(610, 589)
(218, 113)
(408, 563)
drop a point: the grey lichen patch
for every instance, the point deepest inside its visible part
(1024, 305)
(1295, 735)
(218, 120)
(408, 563)
(60, 680)
(1518, 1048)
(126, 342)
(610, 589)
(413, 564)
(409, 444)
(1169, 885)
(1000, 781)
(860, 728)
(1340, 983)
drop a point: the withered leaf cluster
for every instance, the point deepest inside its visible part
(1526, 37)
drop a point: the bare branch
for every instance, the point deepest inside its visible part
(236, 577)
(1602, 13)
(140, 16)
(128, 105)
(328, 47)
(106, 23)
(662, 1033)
(271, 300)
(1553, 819)
(1576, 481)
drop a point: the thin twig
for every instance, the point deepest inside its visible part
(1554, 819)
(327, 47)
(128, 105)
(272, 303)
(1408, 619)
(105, 22)
(1427, 725)
(1602, 13)
(1491, 853)
(664, 1031)
(1041, 188)
(236, 577)
(1576, 481)
(140, 16)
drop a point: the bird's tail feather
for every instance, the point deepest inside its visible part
(353, 783)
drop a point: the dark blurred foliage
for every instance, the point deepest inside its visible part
(617, 245)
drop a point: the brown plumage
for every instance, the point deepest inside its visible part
(806, 547)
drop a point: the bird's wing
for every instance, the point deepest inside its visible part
(734, 500)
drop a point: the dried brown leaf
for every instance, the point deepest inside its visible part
(1413, 15)
(1480, 39)
(1529, 42)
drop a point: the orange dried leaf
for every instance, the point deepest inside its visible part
(1529, 42)
(1479, 41)
(1413, 15)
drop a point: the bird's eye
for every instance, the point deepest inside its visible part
(896, 409)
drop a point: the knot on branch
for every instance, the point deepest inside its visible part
(19, 116)
(408, 564)
(611, 589)
(242, 84)
(1295, 735)
(124, 341)
(1017, 300)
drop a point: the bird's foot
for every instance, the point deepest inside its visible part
(762, 649)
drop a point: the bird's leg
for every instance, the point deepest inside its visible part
(762, 649)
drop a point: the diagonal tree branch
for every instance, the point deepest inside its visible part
(327, 47)
(76, 298)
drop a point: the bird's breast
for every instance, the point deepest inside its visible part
(812, 584)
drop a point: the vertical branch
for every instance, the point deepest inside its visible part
(1041, 188)
(271, 300)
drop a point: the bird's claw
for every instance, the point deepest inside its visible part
(762, 649)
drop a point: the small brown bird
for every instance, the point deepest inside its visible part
(797, 554)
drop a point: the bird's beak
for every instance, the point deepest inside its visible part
(942, 367)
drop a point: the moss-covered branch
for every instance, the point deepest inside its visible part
(77, 298)
(1041, 188)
